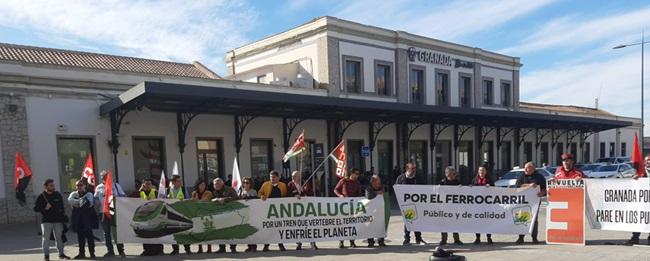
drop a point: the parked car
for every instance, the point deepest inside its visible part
(612, 171)
(509, 179)
(613, 160)
(588, 168)
(551, 170)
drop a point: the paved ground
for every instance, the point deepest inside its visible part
(20, 242)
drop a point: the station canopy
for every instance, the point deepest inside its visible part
(173, 97)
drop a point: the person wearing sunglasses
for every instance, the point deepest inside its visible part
(246, 192)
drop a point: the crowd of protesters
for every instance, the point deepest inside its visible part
(86, 203)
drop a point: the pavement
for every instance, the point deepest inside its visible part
(21, 242)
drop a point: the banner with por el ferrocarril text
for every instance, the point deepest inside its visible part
(468, 209)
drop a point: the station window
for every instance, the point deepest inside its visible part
(488, 92)
(442, 88)
(383, 80)
(261, 157)
(209, 153)
(352, 74)
(72, 154)
(506, 94)
(148, 158)
(465, 91)
(417, 85)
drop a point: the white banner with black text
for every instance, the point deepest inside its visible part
(619, 204)
(466, 209)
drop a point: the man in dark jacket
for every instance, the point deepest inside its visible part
(349, 187)
(451, 179)
(50, 205)
(223, 194)
(84, 219)
(374, 190)
(531, 179)
(409, 178)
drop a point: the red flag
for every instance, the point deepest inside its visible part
(23, 174)
(88, 171)
(338, 155)
(637, 160)
(108, 194)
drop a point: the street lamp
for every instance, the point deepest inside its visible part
(642, 43)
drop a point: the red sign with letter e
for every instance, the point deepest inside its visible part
(565, 213)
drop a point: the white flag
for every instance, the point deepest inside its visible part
(175, 169)
(236, 177)
(162, 189)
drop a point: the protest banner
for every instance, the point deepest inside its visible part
(619, 204)
(276, 220)
(466, 209)
(565, 218)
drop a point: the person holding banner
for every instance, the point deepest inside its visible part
(100, 193)
(409, 178)
(50, 205)
(450, 180)
(568, 169)
(482, 179)
(349, 187)
(375, 189)
(201, 193)
(223, 194)
(273, 189)
(297, 189)
(149, 192)
(247, 192)
(84, 218)
(176, 192)
(635, 239)
(531, 179)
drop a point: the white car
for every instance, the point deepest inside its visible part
(613, 160)
(588, 168)
(509, 180)
(613, 171)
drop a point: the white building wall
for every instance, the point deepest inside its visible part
(81, 119)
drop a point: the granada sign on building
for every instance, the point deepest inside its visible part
(427, 56)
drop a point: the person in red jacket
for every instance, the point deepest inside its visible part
(568, 169)
(349, 187)
(297, 189)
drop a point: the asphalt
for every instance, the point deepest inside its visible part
(21, 242)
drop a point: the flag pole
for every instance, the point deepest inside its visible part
(317, 168)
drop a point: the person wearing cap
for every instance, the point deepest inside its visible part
(297, 189)
(646, 173)
(223, 194)
(100, 193)
(84, 219)
(568, 169)
(176, 192)
(148, 192)
(349, 186)
(273, 188)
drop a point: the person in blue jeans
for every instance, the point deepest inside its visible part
(100, 193)
(409, 178)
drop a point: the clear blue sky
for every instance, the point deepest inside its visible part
(565, 46)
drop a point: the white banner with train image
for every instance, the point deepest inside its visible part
(276, 220)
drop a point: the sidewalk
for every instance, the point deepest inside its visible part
(21, 242)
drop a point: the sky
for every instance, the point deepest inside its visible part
(565, 45)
